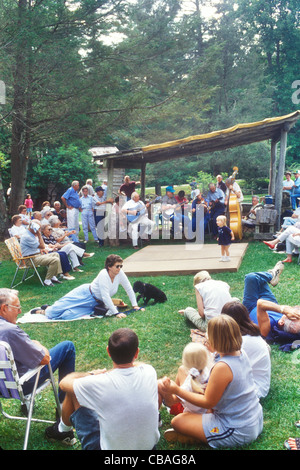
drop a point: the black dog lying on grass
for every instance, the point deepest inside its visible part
(148, 291)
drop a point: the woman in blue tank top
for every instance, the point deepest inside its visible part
(237, 417)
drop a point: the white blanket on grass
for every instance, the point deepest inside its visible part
(39, 318)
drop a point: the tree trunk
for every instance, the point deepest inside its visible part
(3, 213)
(21, 117)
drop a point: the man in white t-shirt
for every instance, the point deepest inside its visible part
(114, 409)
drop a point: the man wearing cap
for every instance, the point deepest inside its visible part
(72, 202)
(296, 190)
(99, 212)
(172, 211)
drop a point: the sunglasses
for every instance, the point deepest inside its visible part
(119, 265)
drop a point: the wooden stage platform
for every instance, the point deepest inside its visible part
(157, 260)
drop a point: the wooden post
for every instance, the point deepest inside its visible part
(273, 169)
(143, 181)
(110, 184)
(280, 175)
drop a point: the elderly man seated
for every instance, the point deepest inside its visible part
(250, 218)
(32, 244)
(29, 353)
(136, 212)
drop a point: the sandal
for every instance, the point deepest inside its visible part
(297, 443)
(297, 424)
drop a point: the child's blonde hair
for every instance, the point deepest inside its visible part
(222, 218)
(196, 356)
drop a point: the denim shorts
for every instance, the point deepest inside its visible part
(86, 423)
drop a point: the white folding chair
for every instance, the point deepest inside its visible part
(11, 387)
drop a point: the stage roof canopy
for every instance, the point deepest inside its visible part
(240, 134)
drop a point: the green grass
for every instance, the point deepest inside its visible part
(163, 334)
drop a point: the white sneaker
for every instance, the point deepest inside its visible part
(68, 278)
(276, 271)
(227, 258)
(47, 282)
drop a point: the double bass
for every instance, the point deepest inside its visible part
(235, 210)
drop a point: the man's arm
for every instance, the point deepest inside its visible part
(263, 317)
(66, 384)
(46, 358)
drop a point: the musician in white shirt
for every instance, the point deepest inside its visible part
(137, 216)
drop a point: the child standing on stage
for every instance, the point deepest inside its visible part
(225, 237)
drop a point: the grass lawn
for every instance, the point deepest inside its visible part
(163, 334)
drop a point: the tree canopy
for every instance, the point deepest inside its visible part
(89, 73)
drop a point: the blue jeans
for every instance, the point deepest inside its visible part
(86, 423)
(62, 358)
(257, 287)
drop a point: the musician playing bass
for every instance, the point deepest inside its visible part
(137, 216)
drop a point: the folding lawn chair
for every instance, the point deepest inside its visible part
(11, 387)
(23, 262)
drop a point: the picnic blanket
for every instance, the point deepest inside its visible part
(39, 318)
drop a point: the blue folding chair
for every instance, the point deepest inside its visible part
(11, 387)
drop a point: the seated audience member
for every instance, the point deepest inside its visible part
(291, 220)
(17, 228)
(192, 375)
(237, 415)
(216, 201)
(137, 216)
(56, 207)
(256, 348)
(128, 187)
(29, 353)
(46, 214)
(277, 323)
(82, 300)
(198, 202)
(23, 214)
(65, 252)
(32, 243)
(172, 211)
(91, 398)
(250, 218)
(211, 295)
(63, 236)
(37, 215)
(291, 237)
